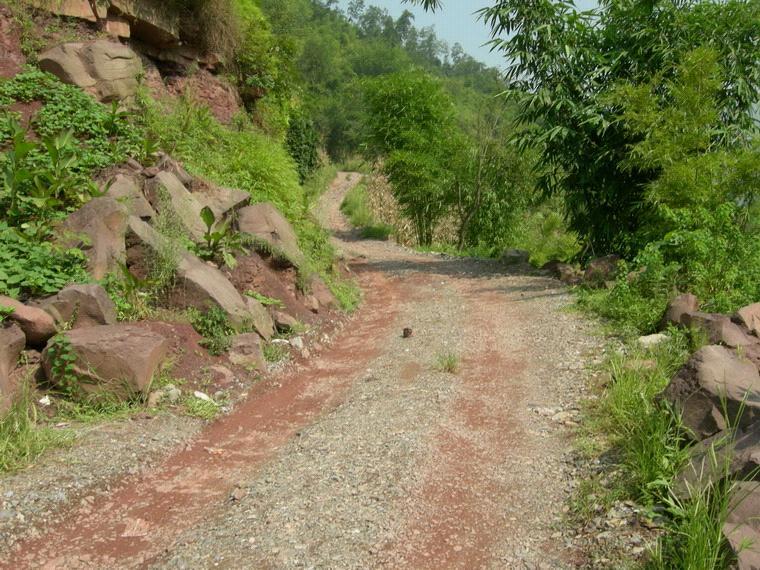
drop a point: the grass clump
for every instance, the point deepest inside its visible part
(201, 408)
(447, 362)
(215, 328)
(22, 437)
(275, 351)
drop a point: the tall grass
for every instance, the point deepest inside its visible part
(22, 437)
(356, 207)
(650, 448)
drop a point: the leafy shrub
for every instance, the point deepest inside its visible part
(22, 437)
(31, 268)
(62, 360)
(220, 241)
(302, 143)
(215, 329)
(105, 136)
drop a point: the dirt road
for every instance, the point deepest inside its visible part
(371, 455)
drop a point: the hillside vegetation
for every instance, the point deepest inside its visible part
(622, 142)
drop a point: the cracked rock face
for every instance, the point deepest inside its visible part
(108, 70)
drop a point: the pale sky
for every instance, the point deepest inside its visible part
(457, 22)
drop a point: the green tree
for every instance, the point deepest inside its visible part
(410, 124)
(562, 63)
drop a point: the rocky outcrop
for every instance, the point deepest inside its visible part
(742, 527)
(98, 228)
(721, 456)
(150, 22)
(678, 307)
(246, 351)
(37, 325)
(712, 389)
(601, 270)
(749, 316)
(718, 328)
(108, 70)
(200, 285)
(283, 322)
(12, 342)
(118, 359)
(127, 191)
(166, 191)
(222, 201)
(81, 306)
(82, 9)
(265, 222)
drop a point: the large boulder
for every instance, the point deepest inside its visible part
(115, 359)
(749, 316)
(742, 526)
(12, 342)
(108, 70)
(38, 326)
(165, 191)
(719, 329)
(715, 389)
(126, 190)
(266, 223)
(259, 318)
(200, 285)
(678, 307)
(222, 200)
(81, 306)
(719, 456)
(601, 270)
(98, 229)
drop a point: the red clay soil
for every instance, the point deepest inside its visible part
(11, 58)
(140, 518)
(254, 273)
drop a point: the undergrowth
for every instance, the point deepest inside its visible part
(23, 437)
(356, 207)
(648, 447)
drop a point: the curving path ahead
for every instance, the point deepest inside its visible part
(371, 456)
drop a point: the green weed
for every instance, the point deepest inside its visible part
(275, 352)
(22, 437)
(215, 328)
(264, 300)
(447, 362)
(203, 409)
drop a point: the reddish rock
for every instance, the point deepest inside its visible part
(284, 323)
(719, 329)
(38, 326)
(12, 342)
(742, 527)
(126, 190)
(749, 316)
(81, 306)
(678, 307)
(98, 229)
(118, 359)
(265, 222)
(601, 270)
(715, 382)
(246, 351)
